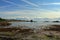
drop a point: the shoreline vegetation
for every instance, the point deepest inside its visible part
(50, 32)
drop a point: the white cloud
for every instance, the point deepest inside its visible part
(21, 13)
(31, 14)
(50, 14)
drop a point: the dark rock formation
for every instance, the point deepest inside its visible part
(4, 24)
(56, 21)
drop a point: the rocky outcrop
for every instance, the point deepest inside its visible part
(4, 24)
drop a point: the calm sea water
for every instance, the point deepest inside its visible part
(33, 24)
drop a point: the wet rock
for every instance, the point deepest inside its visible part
(4, 24)
(56, 21)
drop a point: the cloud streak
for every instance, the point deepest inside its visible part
(50, 4)
(56, 3)
(10, 2)
(20, 6)
(33, 4)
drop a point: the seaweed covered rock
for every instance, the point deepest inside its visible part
(4, 24)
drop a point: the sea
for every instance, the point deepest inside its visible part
(37, 24)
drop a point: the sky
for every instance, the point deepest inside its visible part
(30, 8)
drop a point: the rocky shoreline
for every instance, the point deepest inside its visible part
(51, 32)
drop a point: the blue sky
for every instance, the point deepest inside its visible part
(30, 8)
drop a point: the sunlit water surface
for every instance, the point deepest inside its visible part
(34, 24)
